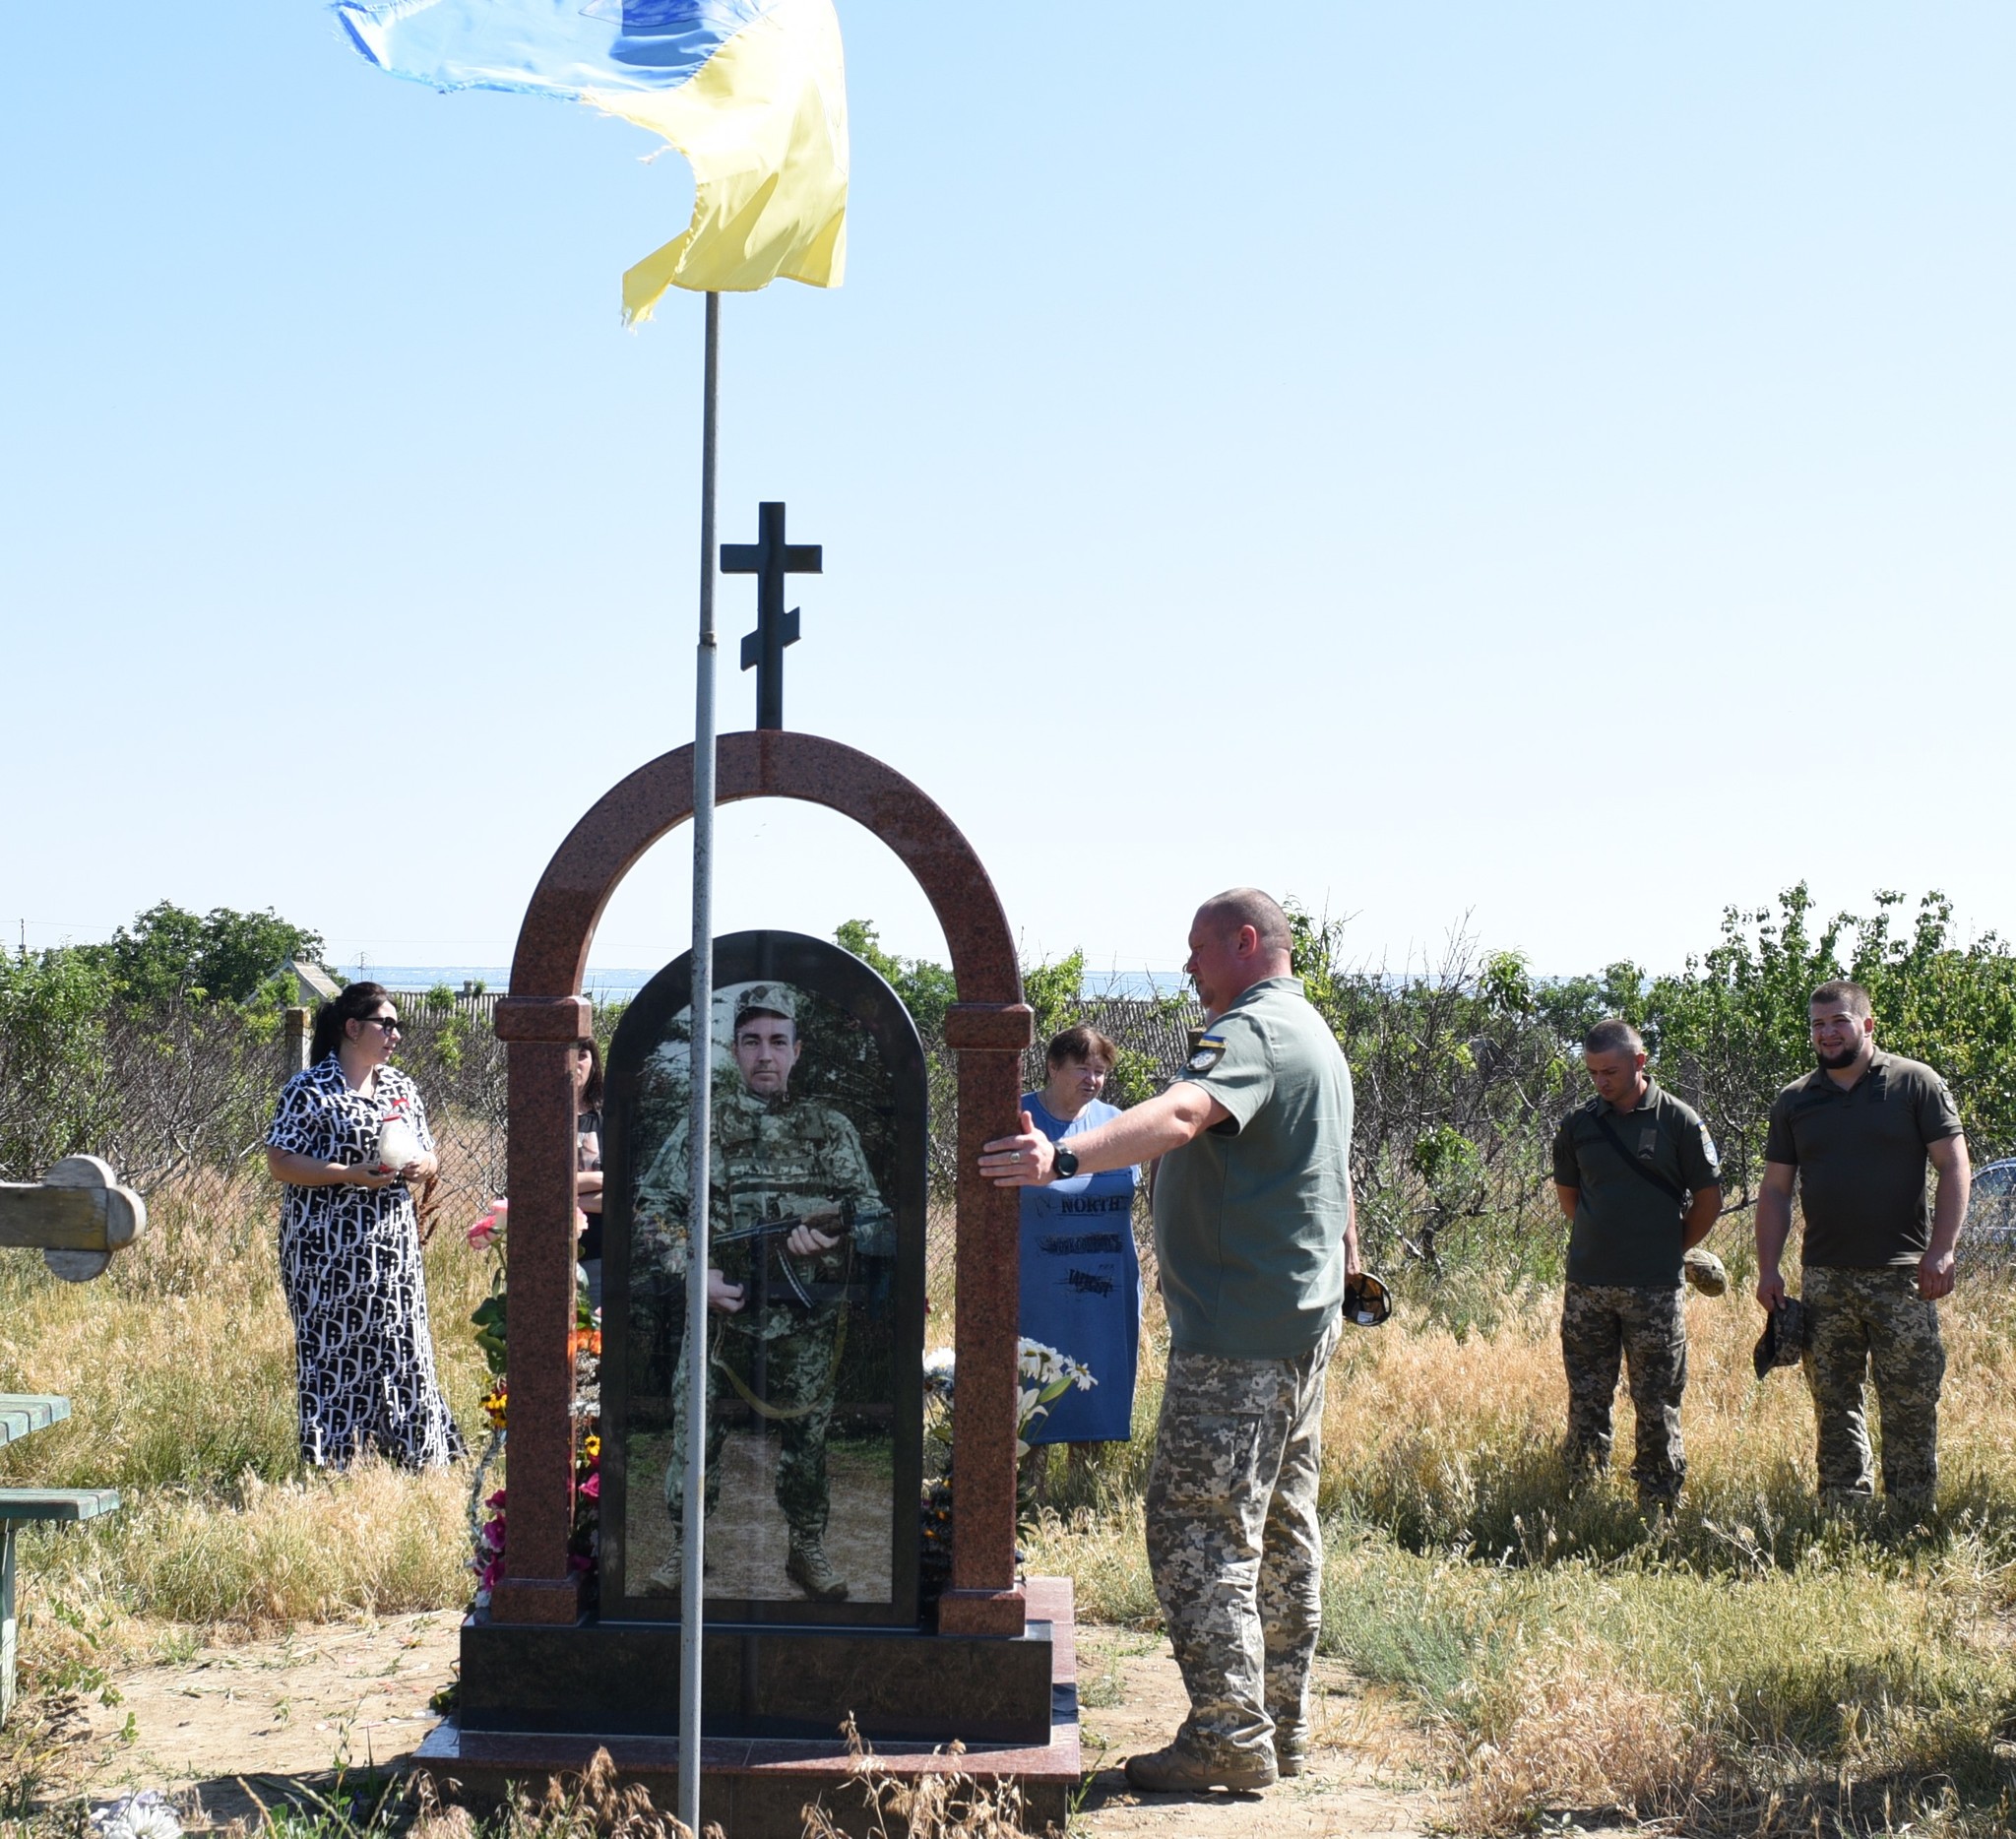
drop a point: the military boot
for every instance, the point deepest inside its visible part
(1174, 1770)
(672, 1574)
(808, 1569)
(1291, 1747)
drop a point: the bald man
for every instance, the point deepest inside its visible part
(1255, 1234)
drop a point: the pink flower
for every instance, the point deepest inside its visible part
(592, 1489)
(484, 1233)
(496, 1500)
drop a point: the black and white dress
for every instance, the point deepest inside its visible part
(350, 1262)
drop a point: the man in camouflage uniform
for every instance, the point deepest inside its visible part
(1855, 1135)
(1637, 1176)
(777, 1342)
(1254, 1224)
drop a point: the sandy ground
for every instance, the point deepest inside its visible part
(1361, 1782)
(748, 1562)
(272, 1718)
(270, 1715)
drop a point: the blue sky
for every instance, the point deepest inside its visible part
(1546, 465)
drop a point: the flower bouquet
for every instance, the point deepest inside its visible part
(1045, 1375)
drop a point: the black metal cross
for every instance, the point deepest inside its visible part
(770, 559)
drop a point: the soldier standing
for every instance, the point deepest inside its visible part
(779, 1301)
(1856, 1133)
(1254, 1224)
(1638, 1179)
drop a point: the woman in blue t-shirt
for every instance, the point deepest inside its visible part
(1080, 1277)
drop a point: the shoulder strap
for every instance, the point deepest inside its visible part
(1632, 1163)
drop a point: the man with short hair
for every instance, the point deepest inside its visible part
(1254, 1224)
(779, 1301)
(1636, 1175)
(1857, 1135)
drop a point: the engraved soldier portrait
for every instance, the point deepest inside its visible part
(797, 1232)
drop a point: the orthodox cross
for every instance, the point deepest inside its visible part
(770, 559)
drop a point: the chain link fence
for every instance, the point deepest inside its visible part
(178, 1100)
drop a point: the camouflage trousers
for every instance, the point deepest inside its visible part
(1604, 1325)
(1234, 1543)
(1865, 1319)
(792, 1374)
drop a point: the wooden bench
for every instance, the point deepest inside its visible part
(18, 1506)
(78, 1216)
(24, 1411)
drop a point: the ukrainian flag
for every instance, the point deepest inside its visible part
(753, 93)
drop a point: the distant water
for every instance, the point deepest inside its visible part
(607, 983)
(494, 977)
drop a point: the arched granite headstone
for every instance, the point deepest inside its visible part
(987, 1028)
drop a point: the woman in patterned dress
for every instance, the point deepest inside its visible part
(349, 1248)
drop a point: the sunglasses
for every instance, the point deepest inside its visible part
(389, 1023)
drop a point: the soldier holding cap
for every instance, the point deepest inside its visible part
(774, 1158)
(1254, 1227)
(1855, 1135)
(1636, 1175)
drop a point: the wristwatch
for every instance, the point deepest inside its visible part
(1064, 1165)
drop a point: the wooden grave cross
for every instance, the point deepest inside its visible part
(78, 1214)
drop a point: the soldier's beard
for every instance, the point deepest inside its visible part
(1835, 1063)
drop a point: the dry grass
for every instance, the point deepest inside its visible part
(950, 1805)
(178, 1364)
(1448, 1439)
(1751, 1667)
(1577, 1734)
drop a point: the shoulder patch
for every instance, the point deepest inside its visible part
(1206, 1053)
(1708, 1147)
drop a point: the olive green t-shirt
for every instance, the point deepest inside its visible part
(1627, 1229)
(1249, 1216)
(1861, 1160)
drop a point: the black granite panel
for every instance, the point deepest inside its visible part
(643, 1329)
(622, 1679)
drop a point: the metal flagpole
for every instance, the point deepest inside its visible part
(699, 1130)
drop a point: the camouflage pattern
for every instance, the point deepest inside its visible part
(1602, 1327)
(769, 1160)
(1704, 1271)
(792, 1374)
(1234, 1546)
(1857, 1320)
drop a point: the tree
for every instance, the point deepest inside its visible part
(171, 955)
(1457, 1075)
(1056, 992)
(59, 1094)
(926, 988)
(1953, 1008)
(1730, 1030)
